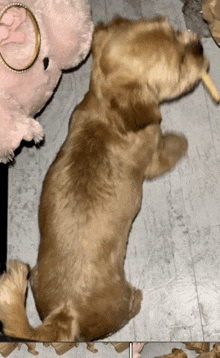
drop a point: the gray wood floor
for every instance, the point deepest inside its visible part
(174, 246)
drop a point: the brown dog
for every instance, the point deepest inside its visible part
(93, 189)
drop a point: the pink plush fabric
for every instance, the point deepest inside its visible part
(137, 348)
(66, 33)
(12, 19)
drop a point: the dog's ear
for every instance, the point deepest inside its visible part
(135, 107)
(102, 32)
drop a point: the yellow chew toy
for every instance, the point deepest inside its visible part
(206, 79)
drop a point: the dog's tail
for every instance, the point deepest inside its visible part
(60, 325)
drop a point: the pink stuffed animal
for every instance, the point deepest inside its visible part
(47, 37)
(137, 348)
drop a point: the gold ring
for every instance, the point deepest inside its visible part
(37, 35)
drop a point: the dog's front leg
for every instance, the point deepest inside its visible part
(169, 150)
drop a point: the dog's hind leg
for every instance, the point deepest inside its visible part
(60, 325)
(13, 286)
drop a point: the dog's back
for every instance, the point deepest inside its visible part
(85, 215)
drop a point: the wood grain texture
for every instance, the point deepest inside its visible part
(173, 250)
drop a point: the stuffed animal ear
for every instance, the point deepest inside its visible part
(19, 37)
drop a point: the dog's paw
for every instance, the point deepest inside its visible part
(174, 146)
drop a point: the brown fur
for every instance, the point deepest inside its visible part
(92, 191)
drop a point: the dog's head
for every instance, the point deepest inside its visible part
(139, 64)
